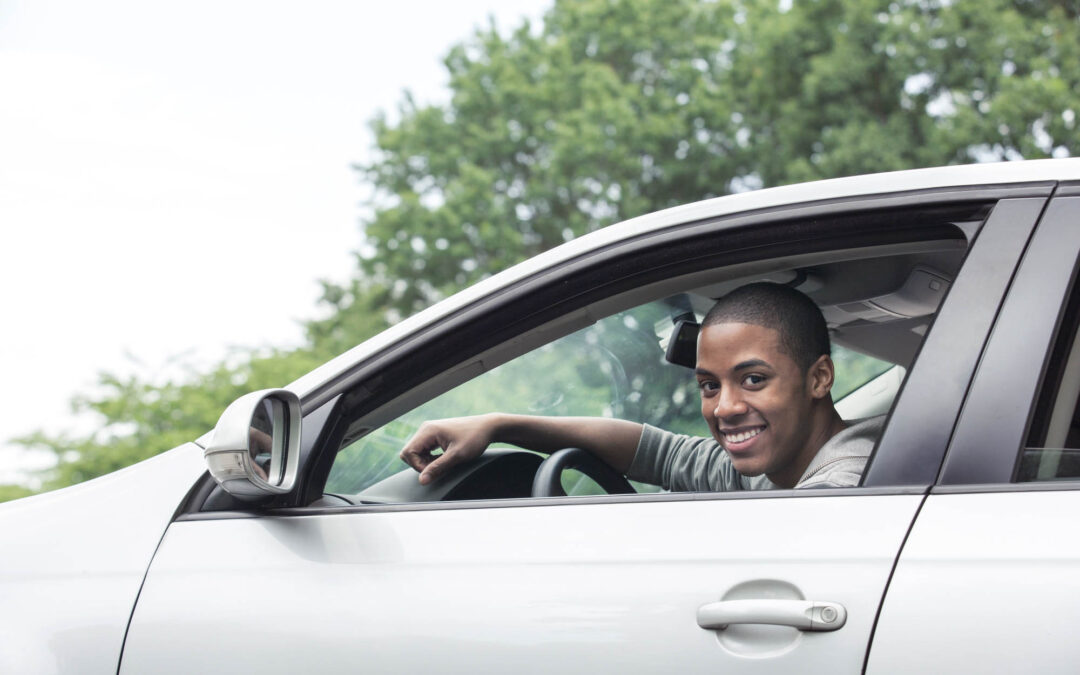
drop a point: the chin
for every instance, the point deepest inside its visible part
(750, 471)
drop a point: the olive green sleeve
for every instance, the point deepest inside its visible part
(682, 463)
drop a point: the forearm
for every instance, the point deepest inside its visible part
(465, 438)
(613, 441)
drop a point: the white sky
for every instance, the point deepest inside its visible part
(163, 164)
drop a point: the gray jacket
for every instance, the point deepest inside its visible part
(692, 464)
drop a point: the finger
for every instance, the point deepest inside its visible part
(437, 467)
(417, 451)
(415, 457)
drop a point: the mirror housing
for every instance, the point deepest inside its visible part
(682, 346)
(255, 450)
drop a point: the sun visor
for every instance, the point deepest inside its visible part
(920, 295)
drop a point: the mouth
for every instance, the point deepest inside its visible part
(740, 438)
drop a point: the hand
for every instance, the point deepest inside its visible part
(460, 439)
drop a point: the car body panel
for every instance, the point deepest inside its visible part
(522, 586)
(987, 583)
(993, 425)
(73, 561)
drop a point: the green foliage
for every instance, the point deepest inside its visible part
(614, 108)
(356, 312)
(550, 133)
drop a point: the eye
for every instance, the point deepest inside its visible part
(753, 380)
(708, 387)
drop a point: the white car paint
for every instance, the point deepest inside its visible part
(987, 583)
(525, 587)
(73, 560)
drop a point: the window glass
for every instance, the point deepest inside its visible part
(853, 370)
(1052, 451)
(613, 368)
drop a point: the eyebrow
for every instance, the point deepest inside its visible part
(751, 363)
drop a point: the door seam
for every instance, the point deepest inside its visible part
(888, 582)
(142, 583)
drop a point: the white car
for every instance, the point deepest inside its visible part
(951, 301)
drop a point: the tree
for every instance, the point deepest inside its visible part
(613, 108)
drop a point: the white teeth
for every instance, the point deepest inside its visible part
(743, 436)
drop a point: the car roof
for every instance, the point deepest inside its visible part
(803, 193)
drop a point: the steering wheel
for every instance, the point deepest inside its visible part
(548, 483)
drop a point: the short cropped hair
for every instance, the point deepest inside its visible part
(803, 333)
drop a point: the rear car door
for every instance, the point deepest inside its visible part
(987, 581)
(587, 584)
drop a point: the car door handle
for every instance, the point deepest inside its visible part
(802, 614)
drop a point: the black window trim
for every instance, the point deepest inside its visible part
(921, 424)
(995, 423)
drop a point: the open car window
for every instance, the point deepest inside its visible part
(615, 367)
(612, 368)
(586, 337)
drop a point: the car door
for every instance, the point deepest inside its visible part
(620, 582)
(988, 581)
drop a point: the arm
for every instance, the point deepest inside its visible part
(464, 438)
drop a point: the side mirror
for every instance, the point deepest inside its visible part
(255, 450)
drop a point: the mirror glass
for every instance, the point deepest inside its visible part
(266, 437)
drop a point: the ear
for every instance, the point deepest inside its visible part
(819, 379)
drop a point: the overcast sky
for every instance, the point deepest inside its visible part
(164, 165)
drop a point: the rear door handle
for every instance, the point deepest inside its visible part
(802, 614)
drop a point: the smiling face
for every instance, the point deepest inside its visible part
(759, 404)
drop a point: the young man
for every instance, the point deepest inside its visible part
(765, 374)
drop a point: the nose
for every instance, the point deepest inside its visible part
(729, 403)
